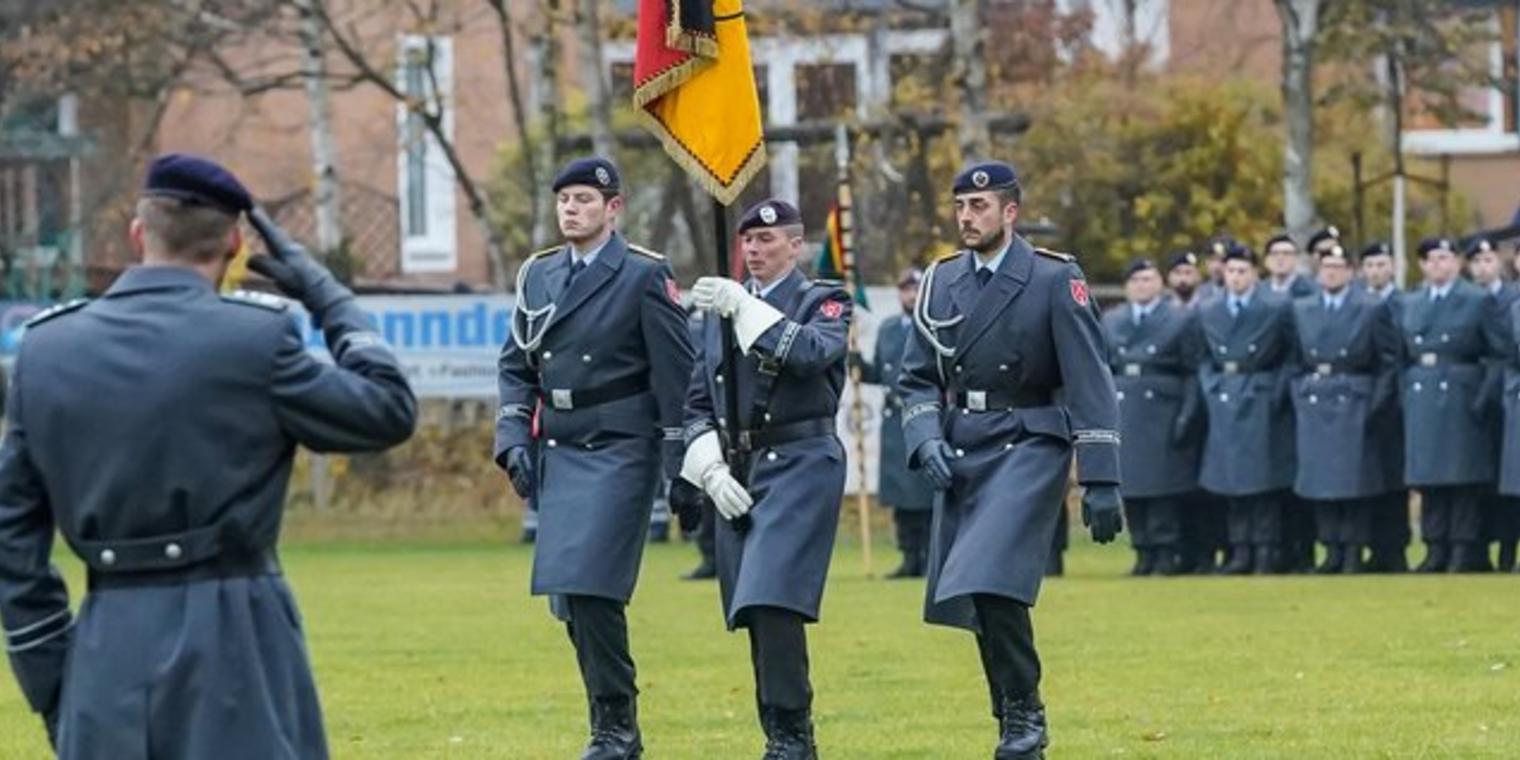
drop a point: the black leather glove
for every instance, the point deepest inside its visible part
(1102, 511)
(934, 461)
(520, 469)
(686, 501)
(293, 269)
(1180, 429)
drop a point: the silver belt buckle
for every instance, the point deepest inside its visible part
(1132, 370)
(1325, 369)
(562, 399)
(976, 401)
(1428, 359)
(1231, 368)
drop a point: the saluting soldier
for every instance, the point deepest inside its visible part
(154, 428)
(1152, 344)
(600, 346)
(908, 494)
(779, 491)
(1449, 330)
(1348, 349)
(1390, 530)
(1487, 272)
(1248, 454)
(1001, 328)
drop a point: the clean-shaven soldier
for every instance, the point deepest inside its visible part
(1390, 528)
(1152, 343)
(1283, 278)
(601, 348)
(1486, 269)
(1450, 336)
(1348, 351)
(780, 503)
(1248, 453)
(154, 428)
(1000, 328)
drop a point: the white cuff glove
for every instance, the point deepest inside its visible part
(752, 316)
(704, 467)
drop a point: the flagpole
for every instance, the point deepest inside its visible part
(858, 404)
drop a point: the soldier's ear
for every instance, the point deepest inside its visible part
(135, 233)
(235, 241)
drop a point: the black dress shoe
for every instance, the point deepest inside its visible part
(1168, 562)
(788, 734)
(1351, 563)
(1240, 561)
(1145, 562)
(1470, 558)
(1388, 559)
(1437, 558)
(1268, 560)
(1055, 564)
(1335, 556)
(1506, 557)
(614, 731)
(1023, 732)
(703, 572)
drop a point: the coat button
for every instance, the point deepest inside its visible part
(1445, 338)
(172, 551)
(887, 366)
(767, 416)
(1002, 368)
(1224, 398)
(1251, 348)
(1343, 352)
(1417, 387)
(1224, 350)
(1150, 349)
(553, 443)
(586, 358)
(1120, 395)
(1443, 385)
(591, 447)
(964, 410)
(548, 355)
(1418, 339)
(1313, 399)
(1150, 395)
(960, 452)
(1008, 447)
(1314, 352)
(107, 557)
(718, 379)
(770, 456)
(957, 369)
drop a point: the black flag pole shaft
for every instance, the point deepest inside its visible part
(727, 371)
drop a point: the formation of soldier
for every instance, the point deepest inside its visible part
(1260, 416)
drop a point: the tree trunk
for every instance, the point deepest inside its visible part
(505, 24)
(324, 153)
(969, 71)
(546, 52)
(1300, 24)
(594, 76)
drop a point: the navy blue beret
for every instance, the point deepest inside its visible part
(769, 213)
(910, 276)
(1336, 251)
(594, 172)
(1436, 244)
(1328, 233)
(1234, 251)
(1480, 245)
(1183, 259)
(1221, 245)
(988, 175)
(1281, 237)
(1379, 248)
(196, 180)
(1137, 266)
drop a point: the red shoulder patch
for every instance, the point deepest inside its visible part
(673, 291)
(831, 309)
(1079, 292)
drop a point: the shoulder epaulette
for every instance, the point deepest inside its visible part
(642, 251)
(257, 299)
(542, 253)
(56, 310)
(1057, 255)
(946, 257)
(828, 282)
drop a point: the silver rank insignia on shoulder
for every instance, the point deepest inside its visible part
(259, 299)
(56, 310)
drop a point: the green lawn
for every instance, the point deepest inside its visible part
(437, 651)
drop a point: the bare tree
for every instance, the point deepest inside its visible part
(1300, 25)
(506, 26)
(324, 154)
(594, 75)
(969, 71)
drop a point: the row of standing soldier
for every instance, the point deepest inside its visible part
(1259, 416)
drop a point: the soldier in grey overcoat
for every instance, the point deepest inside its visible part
(780, 485)
(1001, 328)
(1389, 521)
(154, 429)
(1152, 343)
(601, 348)
(1501, 519)
(1248, 345)
(1348, 352)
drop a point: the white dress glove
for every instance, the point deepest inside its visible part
(752, 316)
(704, 467)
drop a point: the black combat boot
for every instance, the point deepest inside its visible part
(1240, 561)
(1437, 558)
(1269, 560)
(1055, 564)
(1335, 557)
(1470, 558)
(1388, 558)
(1506, 557)
(614, 730)
(1024, 736)
(788, 734)
(1168, 561)
(1352, 562)
(703, 572)
(910, 567)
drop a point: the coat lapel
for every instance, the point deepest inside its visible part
(1004, 287)
(607, 263)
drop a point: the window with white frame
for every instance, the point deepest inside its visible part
(425, 180)
(1484, 121)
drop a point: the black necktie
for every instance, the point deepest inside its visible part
(575, 269)
(983, 276)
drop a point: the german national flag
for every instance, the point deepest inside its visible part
(694, 87)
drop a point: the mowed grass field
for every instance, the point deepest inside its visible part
(437, 651)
